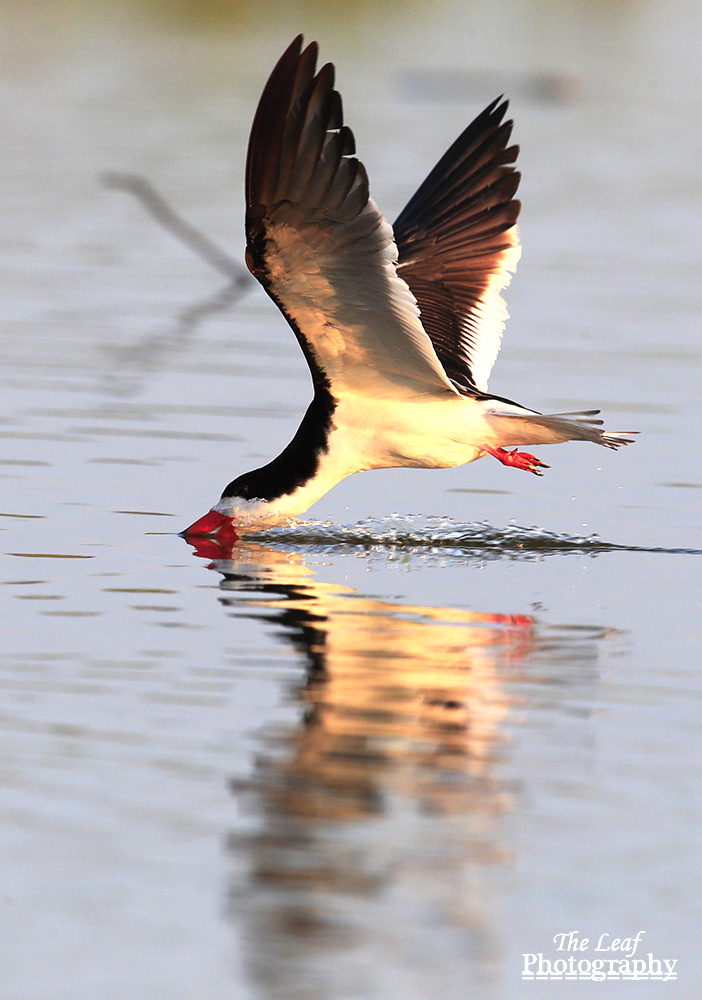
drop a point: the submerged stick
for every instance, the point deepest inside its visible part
(149, 352)
(160, 210)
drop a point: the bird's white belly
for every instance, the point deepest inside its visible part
(417, 432)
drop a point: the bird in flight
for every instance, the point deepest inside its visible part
(400, 325)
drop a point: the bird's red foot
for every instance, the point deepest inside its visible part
(517, 459)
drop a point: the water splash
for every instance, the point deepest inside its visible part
(442, 536)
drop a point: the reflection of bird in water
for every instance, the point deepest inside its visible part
(386, 788)
(400, 326)
(377, 848)
(390, 688)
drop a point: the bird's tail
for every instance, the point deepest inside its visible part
(551, 428)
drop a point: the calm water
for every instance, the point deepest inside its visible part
(452, 714)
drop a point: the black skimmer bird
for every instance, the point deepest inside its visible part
(400, 325)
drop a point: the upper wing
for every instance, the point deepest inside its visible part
(320, 246)
(458, 246)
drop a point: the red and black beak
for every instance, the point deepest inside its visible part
(213, 525)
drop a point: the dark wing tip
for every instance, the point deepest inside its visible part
(304, 185)
(295, 47)
(456, 233)
(478, 159)
(294, 69)
(300, 151)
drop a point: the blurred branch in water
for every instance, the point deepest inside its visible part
(160, 210)
(148, 354)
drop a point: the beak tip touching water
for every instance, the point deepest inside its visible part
(212, 525)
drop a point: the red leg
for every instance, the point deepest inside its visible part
(518, 459)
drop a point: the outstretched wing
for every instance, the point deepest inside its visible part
(320, 246)
(458, 247)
